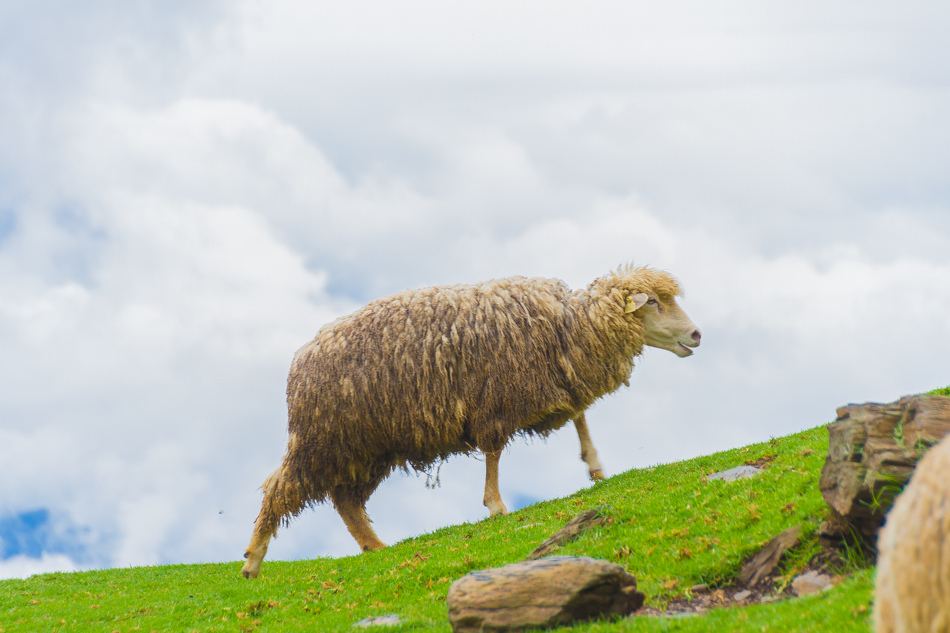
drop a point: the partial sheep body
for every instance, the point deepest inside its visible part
(913, 570)
(417, 376)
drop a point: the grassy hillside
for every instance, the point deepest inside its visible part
(671, 529)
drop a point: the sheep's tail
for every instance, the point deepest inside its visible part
(282, 501)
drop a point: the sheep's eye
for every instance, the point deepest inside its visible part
(651, 302)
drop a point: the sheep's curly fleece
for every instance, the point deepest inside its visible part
(913, 571)
(422, 374)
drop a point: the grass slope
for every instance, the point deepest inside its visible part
(671, 529)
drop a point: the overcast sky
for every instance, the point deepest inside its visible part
(189, 190)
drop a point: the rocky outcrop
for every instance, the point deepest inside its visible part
(872, 451)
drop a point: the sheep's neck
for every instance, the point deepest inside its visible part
(605, 343)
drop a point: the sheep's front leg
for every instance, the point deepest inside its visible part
(492, 499)
(588, 452)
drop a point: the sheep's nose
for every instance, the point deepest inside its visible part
(696, 335)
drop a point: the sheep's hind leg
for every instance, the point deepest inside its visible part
(353, 513)
(281, 497)
(588, 452)
(492, 498)
(256, 551)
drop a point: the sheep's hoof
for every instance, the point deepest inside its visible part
(597, 475)
(373, 546)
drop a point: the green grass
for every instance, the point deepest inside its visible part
(670, 528)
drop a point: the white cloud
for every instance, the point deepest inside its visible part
(133, 376)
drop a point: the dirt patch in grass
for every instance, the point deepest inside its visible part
(762, 462)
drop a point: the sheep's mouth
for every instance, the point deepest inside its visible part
(684, 350)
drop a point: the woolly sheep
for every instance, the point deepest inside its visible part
(913, 569)
(417, 376)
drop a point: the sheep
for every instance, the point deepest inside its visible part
(912, 592)
(416, 376)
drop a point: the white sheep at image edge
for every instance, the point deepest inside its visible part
(912, 593)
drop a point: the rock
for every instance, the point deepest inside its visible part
(379, 620)
(541, 594)
(761, 566)
(574, 528)
(811, 582)
(831, 533)
(700, 588)
(739, 472)
(872, 451)
(741, 595)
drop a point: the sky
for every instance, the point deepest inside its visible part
(190, 190)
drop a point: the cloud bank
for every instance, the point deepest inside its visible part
(187, 193)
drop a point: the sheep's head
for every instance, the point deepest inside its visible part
(665, 325)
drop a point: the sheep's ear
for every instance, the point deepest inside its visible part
(635, 302)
